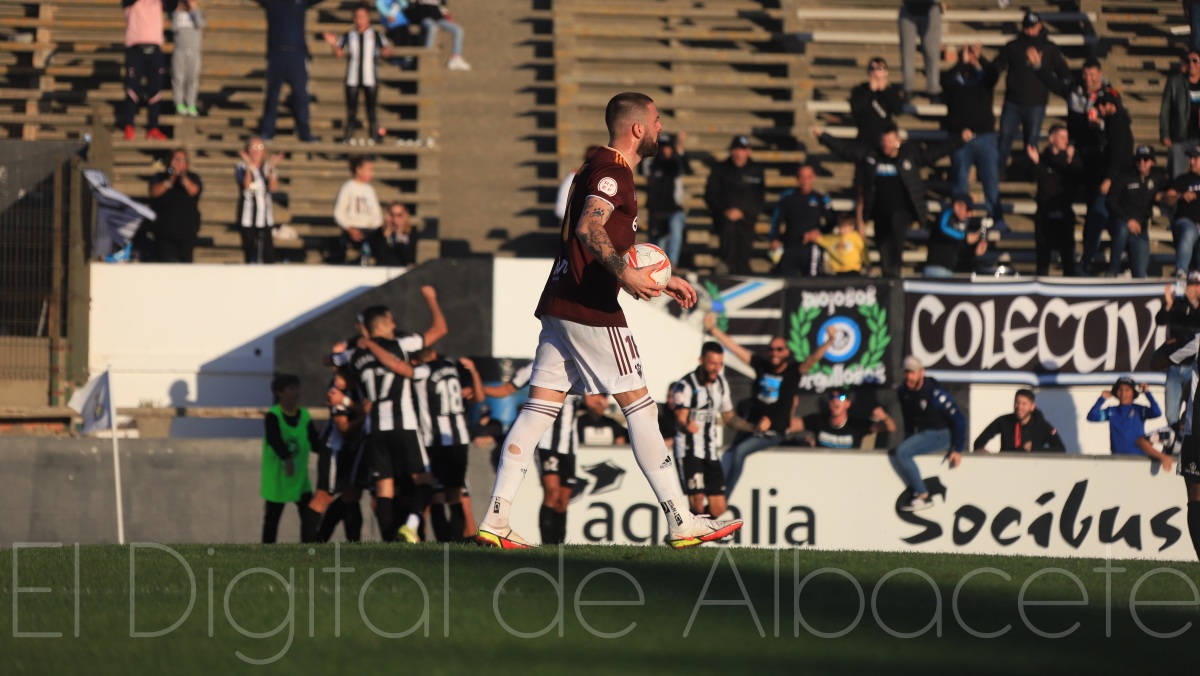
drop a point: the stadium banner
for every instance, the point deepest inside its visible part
(1034, 332)
(750, 309)
(1036, 505)
(863, 352)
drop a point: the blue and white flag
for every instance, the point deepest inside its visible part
(118, 216)
(92, 402)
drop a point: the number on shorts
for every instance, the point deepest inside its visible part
(632, 347)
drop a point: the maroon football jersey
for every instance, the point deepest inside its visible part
(580, 289)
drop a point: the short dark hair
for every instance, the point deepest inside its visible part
(358, 161)
(373, 314)
(363, 6)
(624, 107)
(1055, 128)
(1027, 393)
(1092, 62)
(281, 382)
(711, 347)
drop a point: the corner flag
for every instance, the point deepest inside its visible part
(95, 404)
(92, 403)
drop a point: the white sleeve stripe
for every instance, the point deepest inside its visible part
(604, 200)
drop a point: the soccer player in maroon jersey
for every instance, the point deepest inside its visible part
(585, 345)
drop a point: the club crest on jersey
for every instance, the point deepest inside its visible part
(608, 186)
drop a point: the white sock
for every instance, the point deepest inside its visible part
(413, 521)
(655, 459)
(537, 415)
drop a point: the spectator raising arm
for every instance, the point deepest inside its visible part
(710, 325)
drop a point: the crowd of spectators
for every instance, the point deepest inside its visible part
(1097, 165)
(173, 237)
(1092, 158)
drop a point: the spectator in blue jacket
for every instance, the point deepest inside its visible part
(1126, 420)
(933, 423)
(801, 216)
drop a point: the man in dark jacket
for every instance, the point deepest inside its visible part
(956, 243)
(1035, 68)
(664, 195)
(801, 216)
(1025, 429)
(1131, 203)
(933, 423)
(735, 195)
(1057, 177)
(890, 189)
(874, 104)
(175, 197)
(287, 61)
(1179, 115)
(1114, 161)
(968, 85)
(1082, 119)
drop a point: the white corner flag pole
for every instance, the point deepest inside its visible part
(112, 417)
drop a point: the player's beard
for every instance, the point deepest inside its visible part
(647, 147)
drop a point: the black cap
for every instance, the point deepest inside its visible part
(740, 142)
(1194, 151)
(664, 139)
(1124, 380)
(1031, 19)
(1144, 151)
(1107, 95)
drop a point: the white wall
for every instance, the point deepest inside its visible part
(669, 346)
(1065, 407)
(847, 500)
(205, 334)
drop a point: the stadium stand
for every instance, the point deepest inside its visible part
(62, 66)
(772, 69)
(765, 68)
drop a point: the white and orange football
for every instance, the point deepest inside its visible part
(645, 254)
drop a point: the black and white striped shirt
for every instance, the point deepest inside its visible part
(362, 50)
(706, 405)
(560, 438)
(393, 405)
(254, 203)
(440, 403)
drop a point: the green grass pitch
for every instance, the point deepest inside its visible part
(585, 609)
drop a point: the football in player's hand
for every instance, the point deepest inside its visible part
(645, 254)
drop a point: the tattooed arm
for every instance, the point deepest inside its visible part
(595, 239)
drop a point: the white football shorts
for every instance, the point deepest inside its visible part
(585, 359)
